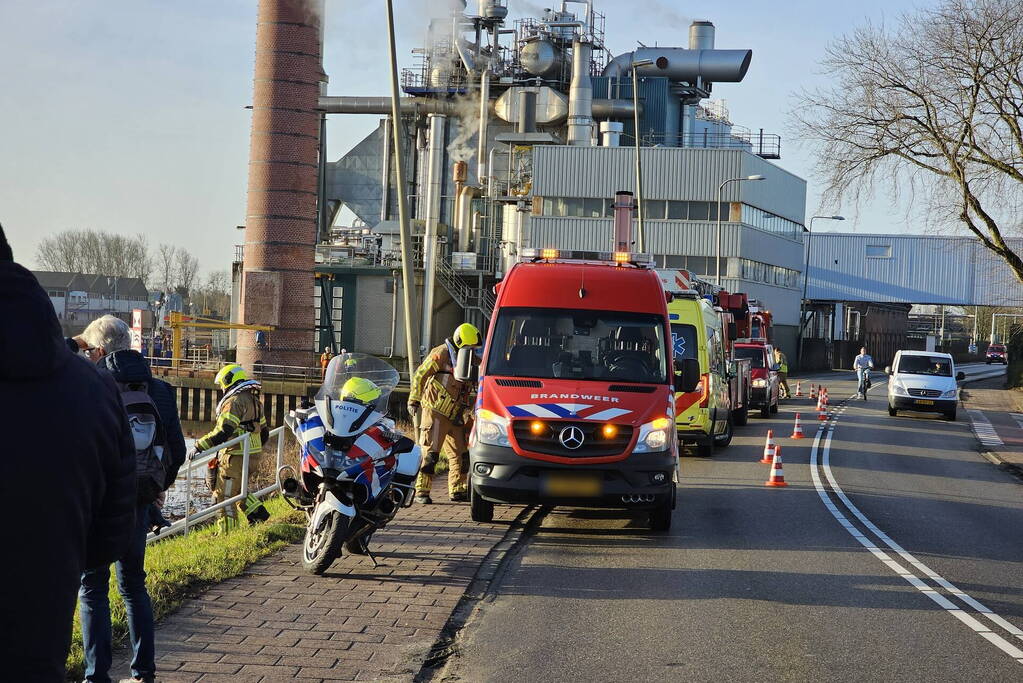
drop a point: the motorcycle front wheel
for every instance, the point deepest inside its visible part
(320, 548)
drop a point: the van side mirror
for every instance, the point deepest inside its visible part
(687, 375)
(465, 369)
(960, 376)
(888, 370)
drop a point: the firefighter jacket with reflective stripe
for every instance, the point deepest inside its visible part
(240, 413)
(434, 385)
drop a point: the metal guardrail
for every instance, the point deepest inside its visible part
(192, 518)
(185, 366)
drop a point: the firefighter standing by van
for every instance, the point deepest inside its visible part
(441, 406)
(239, 411)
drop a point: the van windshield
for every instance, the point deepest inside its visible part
(683, 341)
(754, 353)
(583, 345)
(925, 365)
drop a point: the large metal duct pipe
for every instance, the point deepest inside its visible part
(680, 64)
(601, 109)
(280, 221)
(434, 188)
(527, 111)
(580, 97)
(481, 138)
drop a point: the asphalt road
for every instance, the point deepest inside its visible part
(916, 575)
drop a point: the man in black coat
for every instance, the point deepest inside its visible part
(68, 479)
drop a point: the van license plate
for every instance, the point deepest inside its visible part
(572, 485)
(921, 402)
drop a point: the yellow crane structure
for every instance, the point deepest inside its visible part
(178, 321)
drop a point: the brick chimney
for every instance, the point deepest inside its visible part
(280, 220)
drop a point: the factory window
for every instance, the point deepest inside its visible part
(701, 265)
(773, 275)
(653, 209)
(879, 251)
(593, 208)
(770, 222)
(699, 211)
(678, 211)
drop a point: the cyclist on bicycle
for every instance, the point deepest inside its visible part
(863, 364)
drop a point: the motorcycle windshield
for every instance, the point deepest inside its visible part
(345, 368)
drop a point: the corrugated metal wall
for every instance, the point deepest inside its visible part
(668, 173)
(910, 269)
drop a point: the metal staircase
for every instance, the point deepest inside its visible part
(469, 297)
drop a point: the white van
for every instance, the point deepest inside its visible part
(923, 381)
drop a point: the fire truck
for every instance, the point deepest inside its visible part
(576, 389)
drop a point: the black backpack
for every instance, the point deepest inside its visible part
(150, 440)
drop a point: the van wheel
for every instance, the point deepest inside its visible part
(951, 415)
(705, 449)
(480, 510)
(741, 416)
(891, 411)
(765, 411)
(725, 438)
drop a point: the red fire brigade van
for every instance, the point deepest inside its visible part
(576, 393)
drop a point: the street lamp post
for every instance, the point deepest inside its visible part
(806, 272)
(717, 258)
(640, 232)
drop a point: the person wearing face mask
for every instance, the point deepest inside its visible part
(107, 341)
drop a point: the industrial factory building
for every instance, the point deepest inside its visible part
(519, 134)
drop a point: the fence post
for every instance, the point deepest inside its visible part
(245, 465)
(188, 494)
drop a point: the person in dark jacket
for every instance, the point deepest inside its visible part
(69, 477)
(110, 338)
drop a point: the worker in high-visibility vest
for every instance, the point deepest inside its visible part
(783, 372)
(239, 411)
(442, 407)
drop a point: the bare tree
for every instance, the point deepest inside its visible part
(96, 253)
(934, 107)
(186, 267)
(165, 254)
(214, 293)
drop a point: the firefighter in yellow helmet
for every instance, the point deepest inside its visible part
(443, 405)
(239, 411)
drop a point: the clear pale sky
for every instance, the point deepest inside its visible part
(129, 115)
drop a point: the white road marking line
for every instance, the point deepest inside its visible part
(950, 607)
(984, 430)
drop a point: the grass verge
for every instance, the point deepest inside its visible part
(180, 566)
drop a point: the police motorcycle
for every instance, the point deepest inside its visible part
(356, 470)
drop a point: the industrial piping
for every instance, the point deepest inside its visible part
(684, 65)
(580, 97)
(601, 108)
(281, 213)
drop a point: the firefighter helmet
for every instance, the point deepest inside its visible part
(466, 334)
(230, 375)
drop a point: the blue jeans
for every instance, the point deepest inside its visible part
(94, 610)
(860, 374)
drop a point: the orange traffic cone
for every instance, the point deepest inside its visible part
(799, 389)
(797, 429)
(813, 391)
(822, 407)
(769, 448)
(777, 477)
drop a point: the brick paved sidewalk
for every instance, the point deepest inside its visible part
(356, 622)
(998, 424)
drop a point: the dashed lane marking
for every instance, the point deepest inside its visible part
(911, 578)
(984, 430)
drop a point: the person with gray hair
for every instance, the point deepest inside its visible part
(107, 342)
